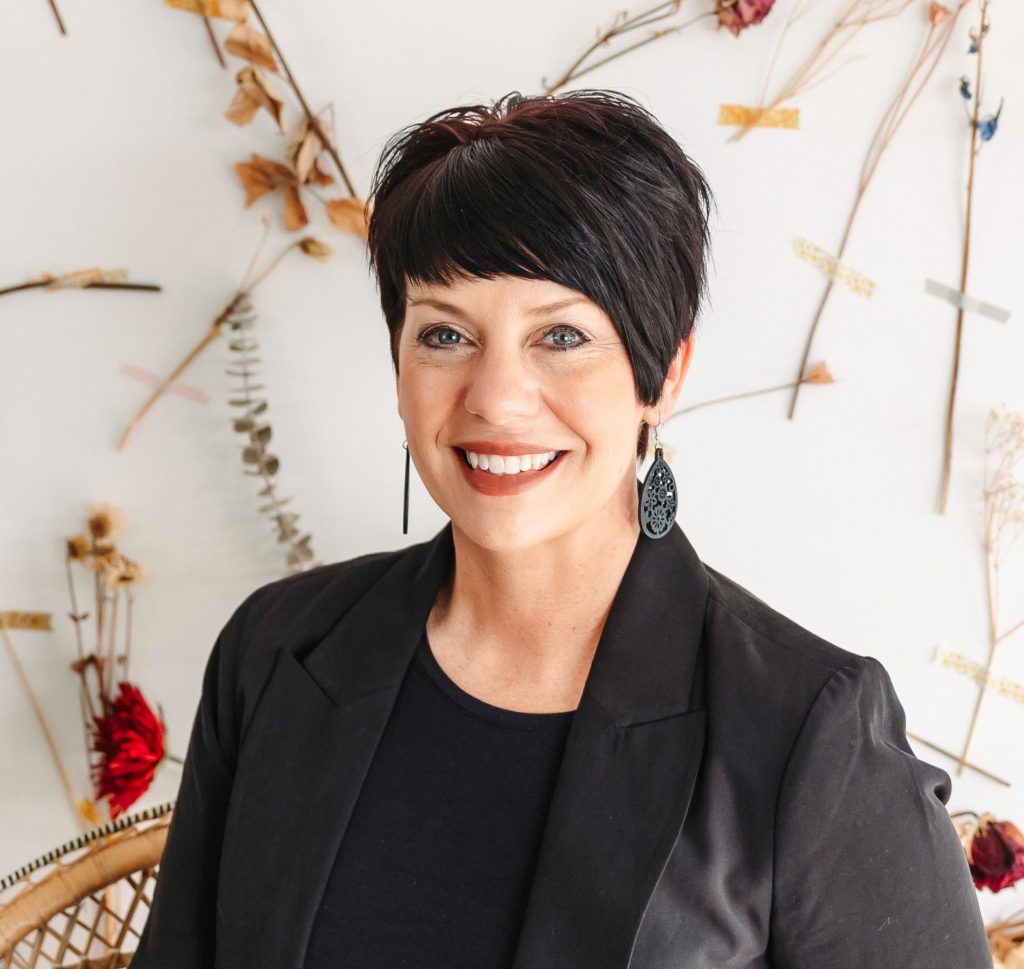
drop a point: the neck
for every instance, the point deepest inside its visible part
(529, 620)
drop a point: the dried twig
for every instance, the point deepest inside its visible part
(940, 30)
(818, 374)
(975, 127)
(1002, 524)
(857, 15)
(82, 279)
(622, 24)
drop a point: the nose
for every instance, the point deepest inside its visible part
(500, 386)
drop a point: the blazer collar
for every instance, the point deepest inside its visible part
(623, 788)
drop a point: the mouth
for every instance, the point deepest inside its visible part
(488, 483)
(464, 457)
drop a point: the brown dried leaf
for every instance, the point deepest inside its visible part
(228, 9)
(304, 150)
(315, 248)
(347, 215)
(246, 41)
(262, 175)
(294, 211)
(252, 94)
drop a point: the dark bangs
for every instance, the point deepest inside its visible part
(584, 189)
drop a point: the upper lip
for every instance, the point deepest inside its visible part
(504, 447)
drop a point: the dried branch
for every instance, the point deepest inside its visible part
(622, 24)
(1002, 524)
(857, 15)
(975, 129)
(940, 30)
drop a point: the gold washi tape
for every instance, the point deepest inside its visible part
(740, 114)
(229, 9)
(13, 619)
(961, 664)
(830, 266)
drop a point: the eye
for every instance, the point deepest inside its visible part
(424, 337)
(455, 340)
(571, 330)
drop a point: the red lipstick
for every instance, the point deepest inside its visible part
(496, 485)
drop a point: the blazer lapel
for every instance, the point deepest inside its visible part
(625, 782)
(628, 770)
(308, 746)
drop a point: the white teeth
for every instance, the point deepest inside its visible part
(509, 464)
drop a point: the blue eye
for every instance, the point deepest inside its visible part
(424, 338)
(570, 330)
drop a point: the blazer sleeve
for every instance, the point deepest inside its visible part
(869, 871)
(179, 930)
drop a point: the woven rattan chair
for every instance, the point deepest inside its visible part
(84, 904)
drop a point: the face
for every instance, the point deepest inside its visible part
(506, 367)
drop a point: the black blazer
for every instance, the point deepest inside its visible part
(735, 793)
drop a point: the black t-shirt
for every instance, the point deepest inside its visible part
(435, 866)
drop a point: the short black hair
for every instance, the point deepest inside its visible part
(583, 188)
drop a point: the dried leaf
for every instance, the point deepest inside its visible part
(348, 215)
(228, 9)
(262, 175)
(252, 94)
(294, 211)
(304, 150)
(315, 248)
(246, 41)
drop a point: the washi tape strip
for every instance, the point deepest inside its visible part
(155, 380)
(961, 664)
(39, 621)
(740, 114)
(816, 256)
(968, 302)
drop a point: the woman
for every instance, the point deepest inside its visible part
(549, 737)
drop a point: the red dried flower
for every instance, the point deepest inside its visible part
(995, 852)
(737, 14)
(130, 740)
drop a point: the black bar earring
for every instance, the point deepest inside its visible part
(658, 498)
(405, 503)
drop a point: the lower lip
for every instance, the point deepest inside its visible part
(503, 484)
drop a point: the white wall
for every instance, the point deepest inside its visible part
(115, 153)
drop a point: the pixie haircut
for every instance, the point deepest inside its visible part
(584, 188)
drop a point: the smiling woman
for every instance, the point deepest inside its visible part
(545, 738)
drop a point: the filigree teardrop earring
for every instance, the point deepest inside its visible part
(658, 498)
(405, 501)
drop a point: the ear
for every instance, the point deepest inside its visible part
(398, 396)
(673, 384)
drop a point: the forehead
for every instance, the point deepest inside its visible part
(522, 295)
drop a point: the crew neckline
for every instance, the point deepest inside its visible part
(516, 719)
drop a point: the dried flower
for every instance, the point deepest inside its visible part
(819, 374)
(105, 522)
(316, 248)
(938, 13)
(78, 547)
(987, 125)
(739, 14)
(130, 740)
(995, 852)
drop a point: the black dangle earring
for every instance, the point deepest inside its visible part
(405, 503)
(658, 498)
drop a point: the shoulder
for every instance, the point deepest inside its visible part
(305, 605)
(742, 612)
(765, 666)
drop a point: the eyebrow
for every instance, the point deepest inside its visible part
(456, 311)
